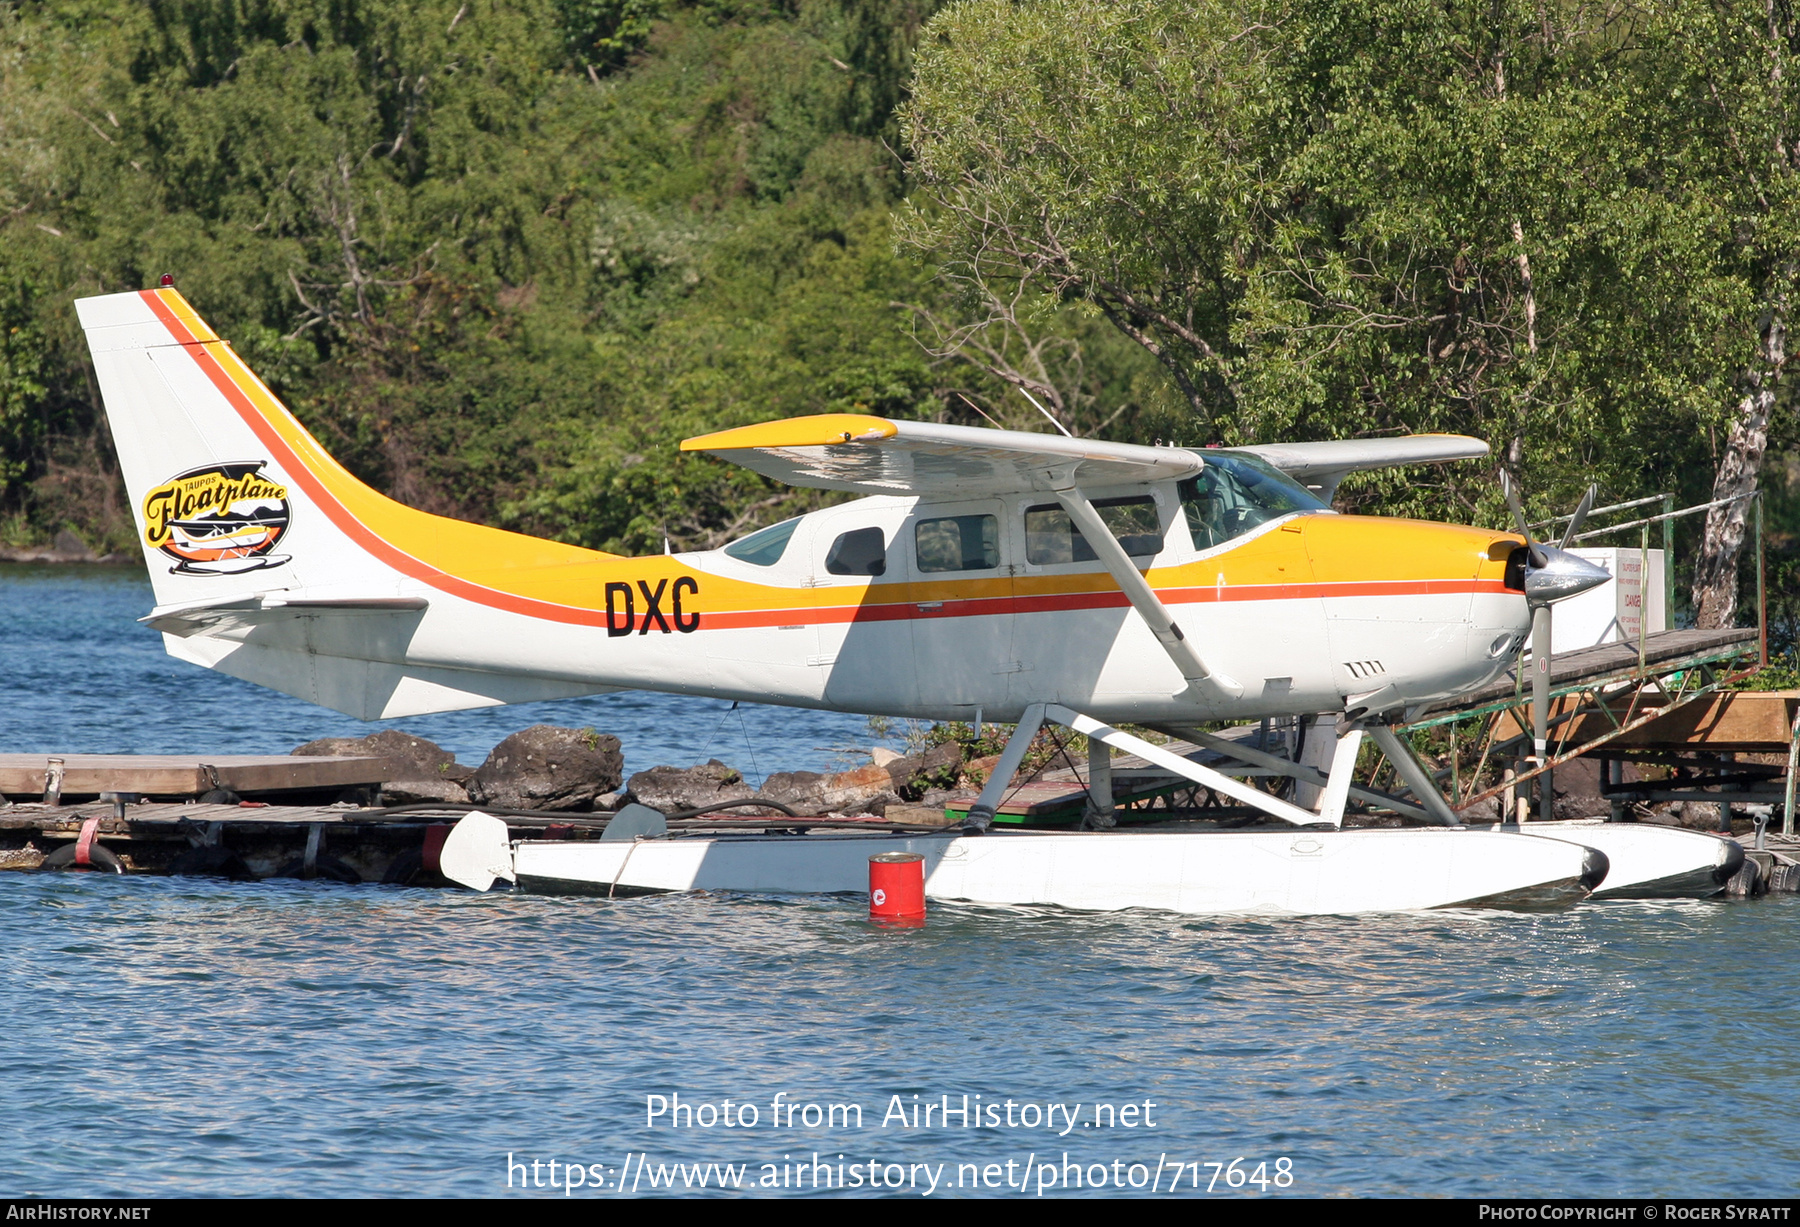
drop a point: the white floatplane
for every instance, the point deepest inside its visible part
(987, 574)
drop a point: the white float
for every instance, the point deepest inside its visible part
(1649, 862)
(1282, 872)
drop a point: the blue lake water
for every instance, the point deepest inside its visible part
(81, 675)
(180, 1036)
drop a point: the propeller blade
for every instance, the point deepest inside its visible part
(1581, 511)
(1518, 513)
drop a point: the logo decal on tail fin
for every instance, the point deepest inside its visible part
(218, 520)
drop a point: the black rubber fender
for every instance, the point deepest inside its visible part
(210, 862)
(1594, 868)
(100, 858)
(408, 864)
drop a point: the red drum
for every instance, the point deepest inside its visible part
(897, 886)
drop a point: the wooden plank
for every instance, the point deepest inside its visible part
(1570, 668)
(1750, 721)
(159, 820)
(183, 774)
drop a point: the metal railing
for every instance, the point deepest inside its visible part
(1634, 718)
(1667, 519)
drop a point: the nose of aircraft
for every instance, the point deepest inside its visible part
(1562, 576)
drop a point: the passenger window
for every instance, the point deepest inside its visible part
(958, 543)
(861, 551)
(1051, 538)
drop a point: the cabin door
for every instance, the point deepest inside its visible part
(858, 586)
(960, 607)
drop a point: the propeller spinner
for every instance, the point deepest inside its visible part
(1551, 573)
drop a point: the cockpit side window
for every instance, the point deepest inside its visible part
(861, 551)
(764, 547)
(1234, 494)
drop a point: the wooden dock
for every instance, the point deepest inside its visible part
(253, 840)
(1663, 652)
(245, 840)
(1730, 721)
(60, 776)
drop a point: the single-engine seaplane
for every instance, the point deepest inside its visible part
(988, 575)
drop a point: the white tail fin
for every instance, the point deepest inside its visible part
(268, 559)
(218, 515)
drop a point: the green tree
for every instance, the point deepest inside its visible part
(24, 367)
(602, 34)
(1114, 154)
(1542, 225)
(485, 275)
(1530, 222)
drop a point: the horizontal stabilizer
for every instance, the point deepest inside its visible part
(372, 689)
(264, 609)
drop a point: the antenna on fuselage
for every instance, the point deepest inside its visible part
(1034, 400)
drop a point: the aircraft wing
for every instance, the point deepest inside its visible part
(1327, 462)
(871, 455)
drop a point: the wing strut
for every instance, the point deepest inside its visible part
(1142, 596)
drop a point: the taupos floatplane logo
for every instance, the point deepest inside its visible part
(218, 520)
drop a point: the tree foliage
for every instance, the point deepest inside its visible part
(1562, 228)
(501, 255)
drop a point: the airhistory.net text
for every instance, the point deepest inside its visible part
(671, 1111)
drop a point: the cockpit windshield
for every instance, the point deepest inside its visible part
(1235, 493)
(764, 547)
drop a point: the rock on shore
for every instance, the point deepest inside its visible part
(864, 790)
(419, 770)
(678, 788)
(562, 769)
(67, 547)
(549, 768)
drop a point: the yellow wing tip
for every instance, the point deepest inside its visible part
(816, 430)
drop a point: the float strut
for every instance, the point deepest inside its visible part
(1413, 772)
(981, 814)
(1100, 806)
(1220, 783)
